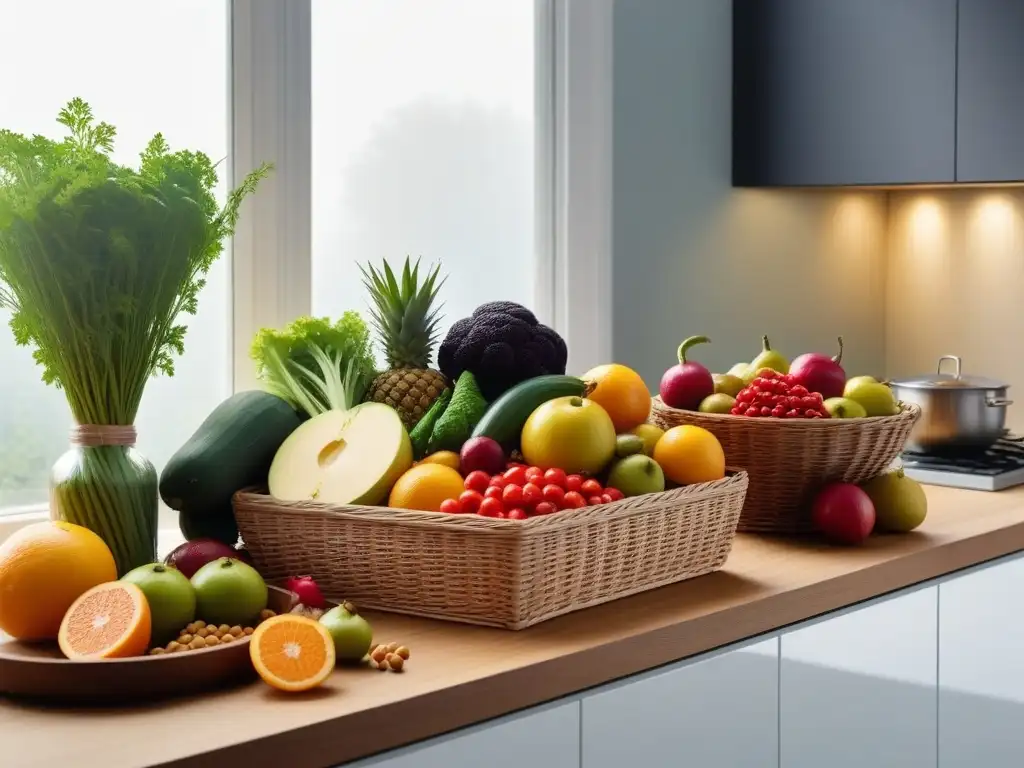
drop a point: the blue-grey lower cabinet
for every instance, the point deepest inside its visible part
(546, 737)
(716, 712)
(860, 688)
(981, 668)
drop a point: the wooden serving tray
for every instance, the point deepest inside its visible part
(39, 671)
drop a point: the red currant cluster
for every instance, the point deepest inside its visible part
(521, 492)
(775, 395)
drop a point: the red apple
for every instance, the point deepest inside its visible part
(843, 513)
(193, 555)
(482, 453)
(686, 384)
(820, 373)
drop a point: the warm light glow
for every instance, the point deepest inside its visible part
(991, 221)
(927, 225)
(851, 217)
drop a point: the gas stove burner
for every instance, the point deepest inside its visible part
(999, 466)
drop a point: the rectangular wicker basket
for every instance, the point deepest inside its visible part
(502, 573)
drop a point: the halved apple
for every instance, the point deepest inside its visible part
(343, 457)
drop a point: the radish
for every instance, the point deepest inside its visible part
(686, 384)
(820, 373)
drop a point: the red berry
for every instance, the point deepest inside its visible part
(753, 411)
(516, 514)
(477, 481)
(545, 508)
(470, 502)
(615, 493)
(745, 396)
(553, 493)
(573, 483)
(555, 476)
(512, 495)
(516, 476)
(591, 488)
(493, 492)
(594, 500)
(532, 494)
(606, 498)
(498, 481)
(535, 475)
(491, 508)
(452, 506)
(799, 390)
(810, 413)
(574, 500)
(307, 589)
(766, 411)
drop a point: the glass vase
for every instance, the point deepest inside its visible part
(105, 485)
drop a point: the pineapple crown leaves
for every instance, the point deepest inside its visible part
(403, 311)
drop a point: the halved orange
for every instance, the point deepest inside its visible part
(109, 621)
(292, 652)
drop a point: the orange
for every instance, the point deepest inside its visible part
(447, 458)
(425, 486)
(622, 393)
(292, 652)
(110, 621)
(690, 455)
(43, 568)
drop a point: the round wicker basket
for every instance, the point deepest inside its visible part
(788, 460)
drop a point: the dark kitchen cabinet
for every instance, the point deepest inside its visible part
(847, 92)
(990, 91)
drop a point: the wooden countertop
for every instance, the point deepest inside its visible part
(461, 675)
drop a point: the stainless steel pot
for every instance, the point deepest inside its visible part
(957, 411)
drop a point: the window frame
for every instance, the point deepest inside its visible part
(270, 87)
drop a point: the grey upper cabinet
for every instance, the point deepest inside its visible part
(717, 712)
(860, 689)
(981, 673)
(990, 91)
(834, 92)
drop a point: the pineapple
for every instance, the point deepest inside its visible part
(406, 322)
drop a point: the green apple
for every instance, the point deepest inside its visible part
(351, 633)
(739, 371)
(229, 591)
(844, 408)
(343, 457)
(728, 384)
(900, 501)
(717, 403)
(876, 399)
(636, 475)
(858, 380)
(171, 598)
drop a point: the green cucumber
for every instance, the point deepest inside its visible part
(504, 420)
(232, 449)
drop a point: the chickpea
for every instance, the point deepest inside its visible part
(157, 651)
(248, 630)
(236, 631)
(173, 646)
(212, 640)
(197, 643)
(202, 632)
(185, 639)
(223, 628)
(396, 662)
(403, 652)
(392, 647)
(379, 654)
(228, 639)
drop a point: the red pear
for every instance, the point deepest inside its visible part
(820, 373)
(686, 384)
(844, 513)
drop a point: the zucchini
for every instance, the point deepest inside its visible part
(232, 449)
(504, 420)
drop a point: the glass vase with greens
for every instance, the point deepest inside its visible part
(98, 261)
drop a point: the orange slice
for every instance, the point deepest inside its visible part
(292, 652)
(109, 621)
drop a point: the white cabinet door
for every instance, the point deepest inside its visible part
(860, 689)
(719, 712)
(981, 668)
(548, 738)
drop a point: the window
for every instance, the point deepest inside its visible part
(423, 145)
(143, 84)
(433, 128)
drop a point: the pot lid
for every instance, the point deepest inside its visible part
(956, 380)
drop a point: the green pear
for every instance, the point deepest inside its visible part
(628, 444)
(740, 371)
(900, 501)
(728, 384)
(877, 399)
(769, 358)
(844, 408)
(717, 403)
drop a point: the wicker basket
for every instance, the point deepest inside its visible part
(788, 460)
(503, 573)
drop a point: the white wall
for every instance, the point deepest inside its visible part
(691, 254)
